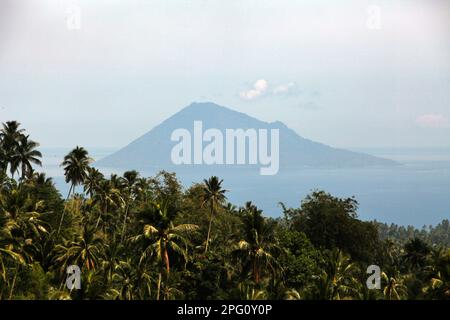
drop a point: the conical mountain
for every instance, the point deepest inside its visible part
(152, 151)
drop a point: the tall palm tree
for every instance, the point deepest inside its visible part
(439, 275)
(213, 196)
(24, 214)
(247, 291)
(162, 237)
(20, 228)
(3, 159)
(7, 251)
(259, 245)
(130, 179)
(92, 181)
(25, 155)
(75, 166)
(416, 253)
(10, 135)
(142, 189)
(40, 179)
(108, 196)
(165, 237)
(336, 278)
(84, 250)
(394, 288)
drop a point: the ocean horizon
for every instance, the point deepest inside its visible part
(414, 193)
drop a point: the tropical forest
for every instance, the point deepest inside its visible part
(150, 238)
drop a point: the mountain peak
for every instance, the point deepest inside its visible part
(203, 106)
(295, 151)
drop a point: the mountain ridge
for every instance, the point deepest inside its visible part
(295, 150)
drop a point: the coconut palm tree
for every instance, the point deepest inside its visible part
(10, 135)
(84, 251)
(247, 291)
(3, 159)
(165, 237)
(213, 196)
(23, 214)
(92, 181)
(161, 237)
(394, 288)
(107, 196)
(26, 155)
(130, 179)
(142, 189)
(336, 279)
(40, 179)
(439, 274)
(259, 244)
(124, 279)
(416, 253)
(7, 249)
(75, 166)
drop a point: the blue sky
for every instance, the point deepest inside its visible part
(349, 74)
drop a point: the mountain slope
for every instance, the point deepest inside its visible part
(153, 150)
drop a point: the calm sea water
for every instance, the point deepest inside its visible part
(416, 193)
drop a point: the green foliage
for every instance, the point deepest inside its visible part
(330, 223)
(301, 259)
(140, 237)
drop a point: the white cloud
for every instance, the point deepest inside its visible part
(284, 88)
(432, 120)
(259, 88)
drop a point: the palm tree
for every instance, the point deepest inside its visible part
(162, 237)
(75, 166)
(213, 196)
(130, 178)
(10, 135)
(40, 179)
(84, 250)
(20, 227)
(416, 253)
(124, 276)
(23, 214)
(247, 291)
(142, 189)
(335, 280)
(107, 196)
(92, 181)
(25, 155)
(439, 274)
(395, 288)
(259, 245)
(7, 250)
(3, 159)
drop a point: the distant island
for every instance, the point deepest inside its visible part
(152, 151)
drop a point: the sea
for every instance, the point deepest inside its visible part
(415, 193)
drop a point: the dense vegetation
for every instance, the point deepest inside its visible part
(148, 238)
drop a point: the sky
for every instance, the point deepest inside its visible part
(346, 73)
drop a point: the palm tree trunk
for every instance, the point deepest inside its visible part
(98, 221)
(255, 272)
(124, 222)
(209, 231)
(166, 261)
(64, 209)
(159, 286)
(23, 171)
(13, 283)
